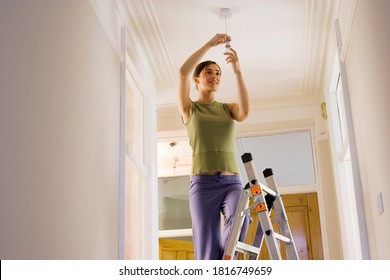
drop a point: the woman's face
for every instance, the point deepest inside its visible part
(209, 78)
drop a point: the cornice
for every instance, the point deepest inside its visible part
(319, 17)
(147, 44)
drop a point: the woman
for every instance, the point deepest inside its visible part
(215, 185)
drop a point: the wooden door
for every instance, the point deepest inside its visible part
(303, 217)
(176, 250)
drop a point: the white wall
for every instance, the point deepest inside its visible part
(368, 67)
(59, 133)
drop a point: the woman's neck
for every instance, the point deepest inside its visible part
(206, 98)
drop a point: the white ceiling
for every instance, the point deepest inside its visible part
(281, 45)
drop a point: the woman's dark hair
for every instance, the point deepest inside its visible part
(199, 68)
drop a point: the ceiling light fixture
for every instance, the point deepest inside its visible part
(226, 13)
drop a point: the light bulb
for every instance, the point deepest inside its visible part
(227, 46)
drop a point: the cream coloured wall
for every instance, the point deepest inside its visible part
(368, 66)
(331, 223)
(59, 123)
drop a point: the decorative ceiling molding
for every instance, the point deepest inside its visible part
(147, 47)
(346, 12)
(317, 26)
(109, 16)
(147, 44)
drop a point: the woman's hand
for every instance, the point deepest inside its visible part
(218, 39)
(231, 57)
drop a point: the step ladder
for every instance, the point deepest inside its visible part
(264, 199)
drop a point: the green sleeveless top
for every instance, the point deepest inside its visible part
(211, 131)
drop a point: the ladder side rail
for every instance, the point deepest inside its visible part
(272, 244)
(281, 217)
(269, 235)
(258, 239)
(280, 213)
(238, 221)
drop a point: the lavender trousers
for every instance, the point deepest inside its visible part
(211, 195)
